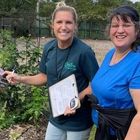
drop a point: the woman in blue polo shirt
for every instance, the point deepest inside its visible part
(116, 85)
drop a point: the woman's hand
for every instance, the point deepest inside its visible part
(86, 91)
(69, 111)
(12, 77)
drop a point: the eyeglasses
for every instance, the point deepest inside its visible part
(125, 25)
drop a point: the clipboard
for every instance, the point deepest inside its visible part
(63, 94)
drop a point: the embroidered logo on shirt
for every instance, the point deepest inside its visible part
(70, 66)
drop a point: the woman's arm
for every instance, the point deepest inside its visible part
(86, 91)
(38, 79)
(134, 129)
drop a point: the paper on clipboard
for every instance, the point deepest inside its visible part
(61, 94)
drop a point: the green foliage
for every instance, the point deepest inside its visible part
(92, 133)
(21, 103)
(87, 9)
(137, 5)
(33, 106)
(12, 7)
(25, 14)
(46, 10)
(8, 49)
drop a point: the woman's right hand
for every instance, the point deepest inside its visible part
(12, 77)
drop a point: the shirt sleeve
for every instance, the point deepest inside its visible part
(42, 64)
(47, 48)
(89, 63)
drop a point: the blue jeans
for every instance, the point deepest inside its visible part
(54, 133)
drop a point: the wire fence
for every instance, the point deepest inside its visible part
(40, 27)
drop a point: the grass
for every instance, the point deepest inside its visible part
(92, 133)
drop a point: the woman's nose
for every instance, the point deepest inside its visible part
(64, 25)
(120, 28)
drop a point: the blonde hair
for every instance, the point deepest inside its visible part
(61, 6)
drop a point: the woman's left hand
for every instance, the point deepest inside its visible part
(69, 111)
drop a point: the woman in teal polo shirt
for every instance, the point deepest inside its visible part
(63, 56)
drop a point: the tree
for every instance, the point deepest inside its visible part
(12, 7)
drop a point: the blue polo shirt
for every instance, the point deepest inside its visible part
(112, 83)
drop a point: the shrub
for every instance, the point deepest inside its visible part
(21, 103)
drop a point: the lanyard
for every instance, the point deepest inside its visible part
(59, 75)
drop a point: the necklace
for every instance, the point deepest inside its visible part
(59, 74)
(117, 58)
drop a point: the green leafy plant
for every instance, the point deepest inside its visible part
(21, 103)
